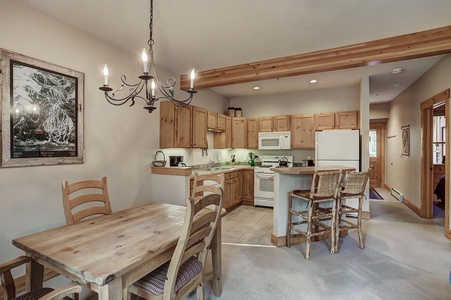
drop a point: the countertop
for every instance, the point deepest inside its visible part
(189, 171)
(310, 170)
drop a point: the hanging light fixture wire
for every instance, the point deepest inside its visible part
(149, 81)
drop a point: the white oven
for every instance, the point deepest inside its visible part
(264, 179)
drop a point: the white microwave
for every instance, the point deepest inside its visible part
(274, 140)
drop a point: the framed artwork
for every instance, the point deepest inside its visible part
(41, 112)
(405, 140)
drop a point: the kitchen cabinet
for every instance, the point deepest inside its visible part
(347, 120)
(281, 123)
(175, 126)
(239, 132)
(232, 189)
(325, 121)
(221, 122)
(223, 139)
(252, 133)
(212, 120)
(302, 131)
(199, 125)
(266, 124)
(247, 195)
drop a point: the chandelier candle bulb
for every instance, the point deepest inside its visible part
(191, 83)
(144, 59)
(105, 74)
(153, 88)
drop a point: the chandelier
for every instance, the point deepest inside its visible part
(149, 81)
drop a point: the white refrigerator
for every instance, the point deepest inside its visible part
(338, 148)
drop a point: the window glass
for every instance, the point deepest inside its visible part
(373, 143)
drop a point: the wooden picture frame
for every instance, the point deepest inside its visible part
(405, 138)
(41, 112)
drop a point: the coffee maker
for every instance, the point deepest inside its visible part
(175, 160)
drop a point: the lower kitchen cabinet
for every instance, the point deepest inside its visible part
(232, 189)
(247, 196)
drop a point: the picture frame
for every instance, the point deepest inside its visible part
(405, 134)
(41, 112)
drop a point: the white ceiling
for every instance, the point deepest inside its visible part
(208, 34)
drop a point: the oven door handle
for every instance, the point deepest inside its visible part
(263, 176)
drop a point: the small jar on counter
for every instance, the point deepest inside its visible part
(238, 112)
(231, 111)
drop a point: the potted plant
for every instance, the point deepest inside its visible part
(252, 157)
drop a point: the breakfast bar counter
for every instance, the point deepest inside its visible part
(286, 180)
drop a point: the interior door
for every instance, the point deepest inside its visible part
(377, 154)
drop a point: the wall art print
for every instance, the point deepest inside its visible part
(405, 151)
(41, 112)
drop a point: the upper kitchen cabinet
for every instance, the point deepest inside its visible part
(325, 121)
(200, 120)
(347, 119)
(175, 126)
(252, 133)
(302, 131)
(239, 132)
(281, 123)
(224, 139)
(221, 122)
(216, 122)
(266, 124)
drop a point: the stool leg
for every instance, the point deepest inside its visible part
(359, 223)
(333, 226)
(290, 206)
(309, 230)
(337, 224)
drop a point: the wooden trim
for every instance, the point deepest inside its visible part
(180, 171)
(408, 46)
(20, 281)
(413, 207)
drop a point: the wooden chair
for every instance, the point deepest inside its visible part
(353, 187)
(88, 195)
(184, 272)
(9, 287)
(324, 188)
(200, 189)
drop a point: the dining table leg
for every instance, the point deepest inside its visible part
(111, 291)
(216, 254)
(35, 276)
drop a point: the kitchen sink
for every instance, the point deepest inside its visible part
(221, 168)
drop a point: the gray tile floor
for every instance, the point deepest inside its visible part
(253, 225)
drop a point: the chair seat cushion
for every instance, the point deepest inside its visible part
(35, 294)
(154, 281)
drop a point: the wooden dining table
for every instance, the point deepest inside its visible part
(109, 253)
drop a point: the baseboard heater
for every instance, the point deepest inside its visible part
(397, 194)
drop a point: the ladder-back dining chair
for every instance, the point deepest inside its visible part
(314, 221)
(201, 189)
(353, 187)
(85, 199)
(185, 271)
(9, 285)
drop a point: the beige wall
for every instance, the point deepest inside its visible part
(120, 142)
(403, 172)
(379, 111)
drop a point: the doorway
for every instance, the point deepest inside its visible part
(435, 154)
(377, 152)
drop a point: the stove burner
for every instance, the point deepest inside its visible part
(265, 166)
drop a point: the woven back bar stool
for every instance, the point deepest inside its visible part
(325, 187)
(353, 187)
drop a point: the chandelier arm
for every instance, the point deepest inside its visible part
(134, 93)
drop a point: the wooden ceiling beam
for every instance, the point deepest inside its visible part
(409, 46)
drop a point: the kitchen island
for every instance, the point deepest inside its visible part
(286, 180)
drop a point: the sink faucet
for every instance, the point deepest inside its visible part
(210, 165)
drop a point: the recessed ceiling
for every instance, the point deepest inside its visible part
(209, 34)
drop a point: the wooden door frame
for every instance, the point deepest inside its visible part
(426, 204)
(381, 127)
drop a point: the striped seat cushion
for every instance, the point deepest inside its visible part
(34, 295)
(154, 281)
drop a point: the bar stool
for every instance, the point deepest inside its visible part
(325, 186)
(354, 187)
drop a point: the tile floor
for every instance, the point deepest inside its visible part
(253, 225)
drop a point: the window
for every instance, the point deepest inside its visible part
(373, 143)
(439, 139)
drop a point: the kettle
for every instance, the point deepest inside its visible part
(283, 162)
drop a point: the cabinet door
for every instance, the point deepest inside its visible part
(212, 120)
(199, 127)
(281, 123)
(167, 125)
(221, 122)
(235, 178)
(325, 121)
(183, 127)
(302, 131)
(252, 133)
(347, 120)
(228, 132)
(239, 132)
(266, 124)
(247, 185)
(227, 200)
